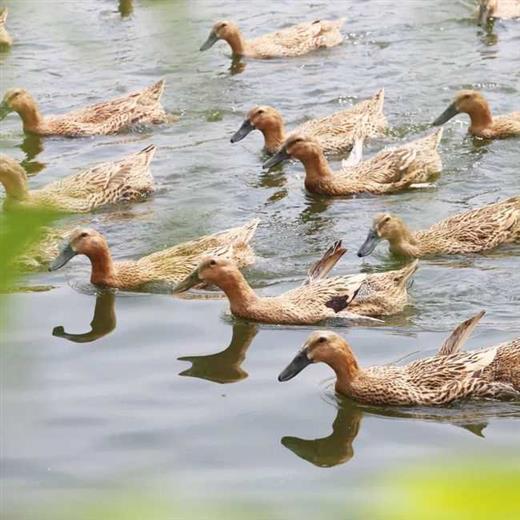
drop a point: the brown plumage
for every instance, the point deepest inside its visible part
(474, 231)
(334, 133)
(104, 118)
(169, 265)
(128, 179)
(483, 123)
(504, 9)
(492, 373)
(5, 37)
(289, 42)
(318, 299)
(389, 171)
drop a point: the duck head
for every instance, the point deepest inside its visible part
(320, 347)
(82, 241)
(466, 101)
(13, 177)
(222, 30)
(296, 146)
(211, 270)
(385, 227)
(263, 118)
(15, 100)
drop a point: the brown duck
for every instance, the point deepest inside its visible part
(474, 231)
(483, 123)
(451, 375)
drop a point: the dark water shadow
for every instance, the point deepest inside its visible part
(225, 366)
(103, 322)
(125, 8)
(32, 145)
(337, 447)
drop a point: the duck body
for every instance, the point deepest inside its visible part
(109, 117)
(5, 37)
(474, 231)
(293, 41)
(126, 180)
(389, 171)
(169, 265)
(491, 373)
(334, 133)
(504, 9)
(318, 299)
(483, 123)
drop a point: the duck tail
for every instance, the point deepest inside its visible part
(148, 152)
(247, 232)
(404, 275)
(157, 89)
(324, 265)
(460, 334)
(379, 100)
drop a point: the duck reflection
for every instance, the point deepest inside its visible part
(126, 8)
(334, 449)
(337, 447)
(103, 322)
(225, 366)
(237, 65)
(32, 145)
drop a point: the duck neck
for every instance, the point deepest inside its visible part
(15, 186)
(316, 167)
(31, 116)
(346, 368)
(237, 43)
(240, 294)
(274, 136)
(103, 269)
(405, 244)
(480, 115)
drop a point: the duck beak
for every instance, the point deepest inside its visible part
(65, 255)
(277, 158)
(370, 244)
(246, 128)
(4, 110)
(212, 39)
(190, 281)
(450, 112)
(299, 362)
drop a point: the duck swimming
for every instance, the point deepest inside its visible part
(451, 375)
(318, 299)
(474, 231)
(504, 9)
(169, 265)
(334, 133)
(389, 171)
(126, 180)
(5, 37)
(483, 124)
(109, 117)
(289, 42)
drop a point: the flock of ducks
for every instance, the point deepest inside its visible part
(217, 259)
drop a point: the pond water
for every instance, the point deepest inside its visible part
(175, 392)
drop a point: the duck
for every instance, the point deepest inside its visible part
(5, 37)
(474, 231)
(483, 123)
(335, 132)
(389, 171)
(169, 265)
(126, 180)
(109, 117)
(289, 42)
(318, 299)
(450, 375)
(505, 9)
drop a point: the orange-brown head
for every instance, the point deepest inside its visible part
(296, 146)
(13, 177)
(212, 270)
(222, 30)
(82, 241)
(322, 347)
(16, 100)
(470, 102)
(385, 227)
(263, 118)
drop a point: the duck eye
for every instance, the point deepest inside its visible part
(260, 112)
(84, 234)
(212, 263)
(322, 339)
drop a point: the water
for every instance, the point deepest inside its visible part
(84, 415)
